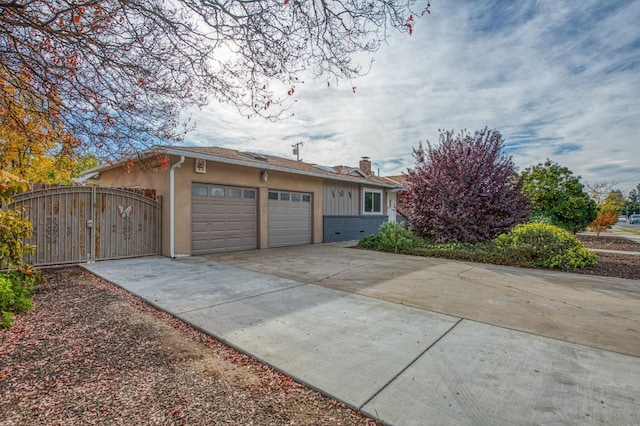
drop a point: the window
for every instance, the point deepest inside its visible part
(306, 198)
(234, 193)
(216, 191)
(295, 197)
(273, 195)
(249, 193)
(199, 190)
(372, 201)
(284, 196)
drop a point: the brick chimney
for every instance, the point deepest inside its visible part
(365, 165)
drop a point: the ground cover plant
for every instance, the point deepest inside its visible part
(536, 245)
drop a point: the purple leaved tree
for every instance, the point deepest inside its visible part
(463, 190)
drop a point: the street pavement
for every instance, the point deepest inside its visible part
(414, 341)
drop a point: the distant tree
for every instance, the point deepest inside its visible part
(632, 204)
(609, 208)
(83, 162)
(614, 202)
(118, 73)
(558, 196)
(599, 191)
(603, 221)
(463, 190)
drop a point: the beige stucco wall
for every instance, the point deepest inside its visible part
(218, 173)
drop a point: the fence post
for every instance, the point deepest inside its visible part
(92, 226)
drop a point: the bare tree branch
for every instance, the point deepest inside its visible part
(117, 73)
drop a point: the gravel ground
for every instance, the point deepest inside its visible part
(91, 353)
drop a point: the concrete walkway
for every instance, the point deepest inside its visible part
(621, 231)
(415, 341)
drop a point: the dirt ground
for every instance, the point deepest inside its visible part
(91, 353)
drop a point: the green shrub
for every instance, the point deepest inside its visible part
(395, 237)
(544, 245)
(7, 300)
(539, 217)
(7, 319)
(16, 289)
(369, 242)
(18, 283)
(7, 296)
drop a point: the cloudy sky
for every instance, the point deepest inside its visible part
(560, 79)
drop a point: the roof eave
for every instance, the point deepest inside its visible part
(267, 166)
(264, 166)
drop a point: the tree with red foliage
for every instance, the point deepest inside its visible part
(603, 221)
(117, 74)
(464, 189)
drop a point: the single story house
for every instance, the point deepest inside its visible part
(219, 199)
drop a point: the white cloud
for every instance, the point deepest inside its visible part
(558, 79)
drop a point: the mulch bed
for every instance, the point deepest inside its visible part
(91, 353)
(618, 265)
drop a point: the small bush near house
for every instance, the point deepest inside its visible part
(544, 245)
(395, 237)
(369, 242)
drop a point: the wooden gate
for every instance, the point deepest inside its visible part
(75, 224)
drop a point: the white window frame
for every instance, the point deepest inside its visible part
(364, 200)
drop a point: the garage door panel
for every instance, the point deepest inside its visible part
(290, 219)
(220, 223)
(198, 228)
(200, 208)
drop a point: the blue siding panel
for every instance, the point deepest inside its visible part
(348, 228)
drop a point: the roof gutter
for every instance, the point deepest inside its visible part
(172, 202)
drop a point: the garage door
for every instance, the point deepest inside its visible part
(290, 218)
(223, 218)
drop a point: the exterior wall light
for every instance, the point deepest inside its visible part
(264, 176)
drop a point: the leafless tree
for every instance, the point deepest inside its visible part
(117, 73)
(599, 191)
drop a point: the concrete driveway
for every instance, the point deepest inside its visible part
(413, 340)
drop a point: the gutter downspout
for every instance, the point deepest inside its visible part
(172, 206)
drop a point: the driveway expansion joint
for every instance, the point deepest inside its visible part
(413, 361)
(253, 296)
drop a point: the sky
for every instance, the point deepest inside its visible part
(560, 79)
